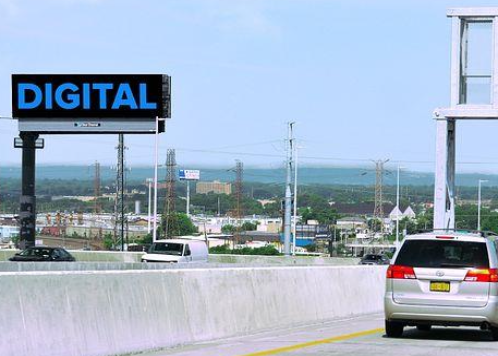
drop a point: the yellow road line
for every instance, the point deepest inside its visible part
(314, 343)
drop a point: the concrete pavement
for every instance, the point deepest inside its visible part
(355, 336)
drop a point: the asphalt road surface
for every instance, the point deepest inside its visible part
(347, 337)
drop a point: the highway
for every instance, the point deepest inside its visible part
(355, 336)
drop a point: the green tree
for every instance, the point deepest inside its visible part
(409, 225)
(179, 224)
(144, 240)
(268, 250)
(108, 241)
(228, 229)
(311, 248)
(248, 226)
(425, 220)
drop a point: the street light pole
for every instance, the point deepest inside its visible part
(397, 210)
(479, 203)
(149, 183)
(156, 162)
(288, 194)
(294, 225)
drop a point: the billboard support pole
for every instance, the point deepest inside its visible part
(27, 214)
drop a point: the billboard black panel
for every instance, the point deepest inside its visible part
(75, 96)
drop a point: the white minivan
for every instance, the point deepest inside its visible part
(443, 278)
(177, 250)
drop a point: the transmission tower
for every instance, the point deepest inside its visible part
(119, 226)
(239, 209)
(96, 188)
(239, 175)
(170, 208)
(378, 214)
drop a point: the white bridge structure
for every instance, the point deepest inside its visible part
(474, 96)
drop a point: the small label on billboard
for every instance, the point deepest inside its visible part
(87, 124)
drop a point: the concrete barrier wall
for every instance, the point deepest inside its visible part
(6, 254)
(107, 256)
(111, 266)
(129, 257)
(96, 266)
(90, 256)
(283, 260)
(113, 312)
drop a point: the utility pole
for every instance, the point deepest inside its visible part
(119, 202)
(288, 194)
(479, 203)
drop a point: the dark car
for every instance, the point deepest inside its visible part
(35, 254)
(372, 259)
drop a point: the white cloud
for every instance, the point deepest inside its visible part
(9, 8)
(247, 17)
(242, 17)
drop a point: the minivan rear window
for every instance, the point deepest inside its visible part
(443, 254)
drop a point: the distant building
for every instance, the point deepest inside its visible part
(269, 225)
(215, 187)
(265, 202)
(306, 234)
(82, 198)
(402, 213)
(8, 232)
(259, 239)
(352, 223)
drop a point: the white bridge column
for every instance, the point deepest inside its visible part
(444, 190)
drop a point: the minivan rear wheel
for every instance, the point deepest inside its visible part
(394, 329)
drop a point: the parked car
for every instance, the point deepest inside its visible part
(448, 279)
(177, 250)
(372, 259)
(38, 253)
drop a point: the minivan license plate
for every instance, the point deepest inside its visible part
(440, 286)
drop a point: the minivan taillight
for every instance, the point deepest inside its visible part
(400, 272)
(482, 275)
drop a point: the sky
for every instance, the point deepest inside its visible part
(360, 78)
